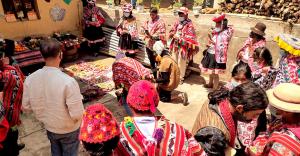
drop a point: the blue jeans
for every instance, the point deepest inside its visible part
(133, 3)
(64, 144)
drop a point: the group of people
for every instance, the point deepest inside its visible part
(233, 121)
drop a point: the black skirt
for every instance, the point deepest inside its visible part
(210, 65)
(126, 43)
(93, 33)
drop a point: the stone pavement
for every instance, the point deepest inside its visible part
(34, 135)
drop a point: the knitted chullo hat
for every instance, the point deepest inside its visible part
(98, 125)
(143, 96)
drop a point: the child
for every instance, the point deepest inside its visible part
(266, 74)
(241, 73)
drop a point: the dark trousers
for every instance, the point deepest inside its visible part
(10, 144)
(64, 144)
(165, 96)
(151, 56)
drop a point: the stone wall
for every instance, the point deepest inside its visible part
(203, 23)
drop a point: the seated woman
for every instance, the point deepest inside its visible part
(128, 31)
(266, 73)
(283, 137)
(241, 73)
(99, 132)
(147, 134)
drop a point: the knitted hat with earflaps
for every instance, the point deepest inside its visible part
(143, 96)
(98, 125)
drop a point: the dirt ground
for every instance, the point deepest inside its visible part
(34, 135)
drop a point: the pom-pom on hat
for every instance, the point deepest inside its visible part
(98, 125)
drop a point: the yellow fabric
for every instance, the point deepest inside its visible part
(283, 45)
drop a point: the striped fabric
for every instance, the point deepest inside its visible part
(176, 141)
(126, 71)
(12, 93)
(187, 43)
(2, 111)
(28, 57)
(279, 143)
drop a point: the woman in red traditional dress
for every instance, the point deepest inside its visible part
(215, 56)
(127, 30)
(255, 40)
(92, 28)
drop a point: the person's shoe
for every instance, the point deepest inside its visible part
(96, 54)
(21, 146)
(185, 99)
(163, 99)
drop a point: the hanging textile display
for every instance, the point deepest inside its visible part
(57, 13)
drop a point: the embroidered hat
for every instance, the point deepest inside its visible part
(285, 97)
(219, 18)
(184, 10)
(98, 125)
(143, 96)
(259, 29)
(127, 7)
(289, 43)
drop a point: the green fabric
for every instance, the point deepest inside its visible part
(67, 1)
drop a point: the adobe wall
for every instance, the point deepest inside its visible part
(45, 25)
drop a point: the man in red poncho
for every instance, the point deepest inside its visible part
(11, 84)
(183, 41)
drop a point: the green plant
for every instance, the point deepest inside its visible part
(177, 4)
(140, 2)
(198, 2)
(109, 1)
(155, 3)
